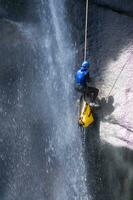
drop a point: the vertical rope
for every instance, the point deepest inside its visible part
(86, 27)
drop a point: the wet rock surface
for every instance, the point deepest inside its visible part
(110, 52)
(123, 7)
(110, 48)
(113, 54)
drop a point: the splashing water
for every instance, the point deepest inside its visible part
(65, 141)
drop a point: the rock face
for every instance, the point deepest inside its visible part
(28, 11)
(110, 50)
(125, 6)
(112, 55)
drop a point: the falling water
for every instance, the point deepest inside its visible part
(41, 153)
(65, 141)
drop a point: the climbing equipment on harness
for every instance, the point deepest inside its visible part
(86, 29)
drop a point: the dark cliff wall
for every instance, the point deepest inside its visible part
(28, 11)
(124, 6)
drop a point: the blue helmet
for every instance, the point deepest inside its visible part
(85, 64)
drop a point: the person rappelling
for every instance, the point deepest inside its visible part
(84, 82)
(83, 79)
(88, 97)
(85, 86)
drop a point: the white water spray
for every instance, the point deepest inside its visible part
(70, 182)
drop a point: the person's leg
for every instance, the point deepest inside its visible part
(96, 91)
(92, 92)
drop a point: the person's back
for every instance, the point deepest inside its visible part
(81, 80)
(81, 76)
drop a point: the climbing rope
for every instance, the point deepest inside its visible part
(86, 29)
(117, 78)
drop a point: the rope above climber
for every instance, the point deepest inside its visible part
(83, 84)
(83, 78)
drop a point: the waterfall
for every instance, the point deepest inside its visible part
(65, 139)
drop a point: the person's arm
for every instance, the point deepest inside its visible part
(88, 78)
(93, 74)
